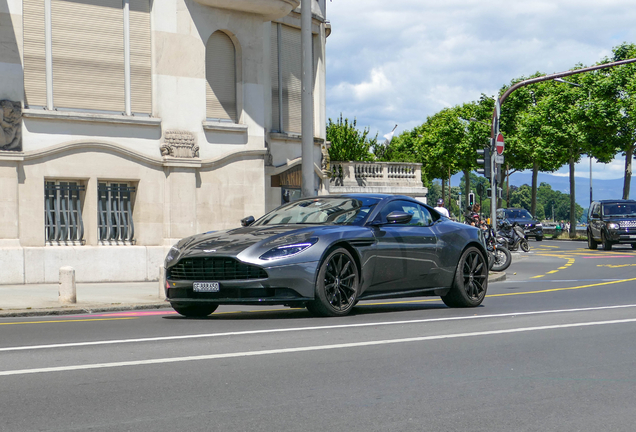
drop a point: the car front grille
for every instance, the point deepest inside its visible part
(630, 223)
(214, 269)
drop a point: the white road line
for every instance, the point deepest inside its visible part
(302, 349)
(297, 329)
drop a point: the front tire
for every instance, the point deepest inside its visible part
(538, 238)
(591, 243)
(607, 245)
(194, 310)
(470, 282)
(524, 245)
(502, 258)
(336, 285)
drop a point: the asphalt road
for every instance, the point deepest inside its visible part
(551, 349)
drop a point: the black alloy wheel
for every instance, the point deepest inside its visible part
(336, 286)
(538, 238)
(194, 310)
(470, 282)
(607, 245)
(524, 245)
(591, 243)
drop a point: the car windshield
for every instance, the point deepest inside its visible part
(619, 209)
(518, 214)
(323, 210)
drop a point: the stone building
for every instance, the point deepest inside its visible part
(129, 124)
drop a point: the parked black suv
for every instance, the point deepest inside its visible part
(610, 222)
(524, 219)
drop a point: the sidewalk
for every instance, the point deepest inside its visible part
(42, 299)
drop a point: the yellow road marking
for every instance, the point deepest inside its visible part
(615, 265)
(563, 289)
(68, 321)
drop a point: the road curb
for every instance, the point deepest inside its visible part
(87, 309)
(496, 276)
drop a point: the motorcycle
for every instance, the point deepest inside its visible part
(499, 256)
(512, 236)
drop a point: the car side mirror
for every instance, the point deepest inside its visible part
(247, 221)
(398, 217)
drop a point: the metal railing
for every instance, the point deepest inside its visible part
(115, 212)
(63, 211)
(398, 173)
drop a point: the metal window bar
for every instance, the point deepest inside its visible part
(63, 212)
(115, 212)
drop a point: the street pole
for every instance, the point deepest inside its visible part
(498, 102)
(306, 103)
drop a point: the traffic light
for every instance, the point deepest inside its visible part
(483, 159)
(471, 199)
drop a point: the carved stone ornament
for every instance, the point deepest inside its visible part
(10, 125)
(179, 144)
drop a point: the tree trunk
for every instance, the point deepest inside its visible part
(443, 193)
(466, 188)
(507, 185)
(572, 201)
(628, 171)
(448, 206)
(533, 201)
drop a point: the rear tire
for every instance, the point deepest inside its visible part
(470, 282)
(194, 310)
(591, 243)
(538, 238)
(607, 245)
(336, 285)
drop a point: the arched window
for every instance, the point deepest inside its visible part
(220, 76)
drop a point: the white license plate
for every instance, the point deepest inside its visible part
(632, 236)
(526, 231)
(206, 287)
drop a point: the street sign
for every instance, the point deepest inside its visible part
(499, 144)
(499, 159)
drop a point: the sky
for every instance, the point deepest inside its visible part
(398, 62)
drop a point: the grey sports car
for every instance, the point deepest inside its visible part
(327, 253)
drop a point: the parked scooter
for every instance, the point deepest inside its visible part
(512, 236)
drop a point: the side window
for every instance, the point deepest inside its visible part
(427, 216)
(406, 207)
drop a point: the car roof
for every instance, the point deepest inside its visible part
(379, 196)
(616, 201)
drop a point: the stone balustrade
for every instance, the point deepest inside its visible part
(377, 177)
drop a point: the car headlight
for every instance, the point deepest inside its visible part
(173, 254)
(613, 225)
(288, 250)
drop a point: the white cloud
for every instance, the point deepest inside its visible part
(398, 62)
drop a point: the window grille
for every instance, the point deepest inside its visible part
(63, 211)
(115, 212)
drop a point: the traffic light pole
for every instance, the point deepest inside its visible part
(497, 114)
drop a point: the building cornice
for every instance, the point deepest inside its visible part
(268, 9)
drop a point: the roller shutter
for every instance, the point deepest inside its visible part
(88, 54)
(291, 70)
(34, 53)
(140, 57)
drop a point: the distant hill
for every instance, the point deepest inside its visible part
(601, 189)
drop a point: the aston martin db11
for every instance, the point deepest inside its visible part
(326, 253)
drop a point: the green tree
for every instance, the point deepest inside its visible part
(347, 142)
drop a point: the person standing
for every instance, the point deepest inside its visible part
(441, 209)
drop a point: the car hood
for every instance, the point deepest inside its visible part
(234, 241)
